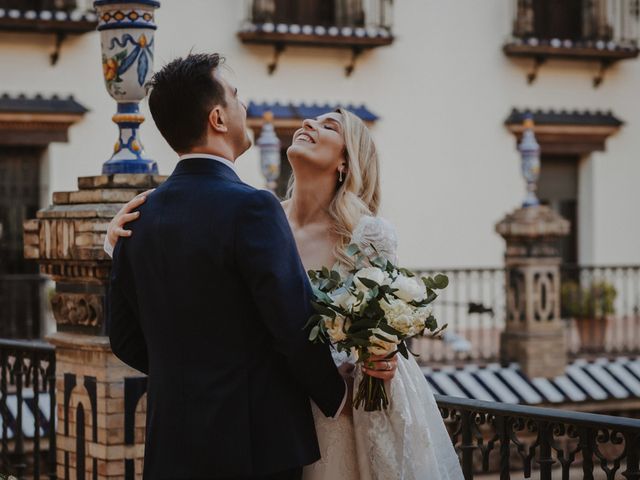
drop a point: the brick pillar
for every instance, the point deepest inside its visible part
(100, 405)
(534, 335)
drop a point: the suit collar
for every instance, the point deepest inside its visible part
(205, 166)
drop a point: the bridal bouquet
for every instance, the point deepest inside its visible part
(373, 310)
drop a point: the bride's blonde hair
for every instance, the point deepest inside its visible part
(359, 192)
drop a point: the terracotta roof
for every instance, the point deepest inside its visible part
(40, 104)
(565, 117)
(301, 111)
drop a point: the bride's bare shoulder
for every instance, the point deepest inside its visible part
(285, 204)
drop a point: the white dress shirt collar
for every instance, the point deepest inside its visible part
(224, 161)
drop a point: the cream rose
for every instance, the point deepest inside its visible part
(399, 315)
(382, 347)
(336, 328)
(409, 289)
(344, 299)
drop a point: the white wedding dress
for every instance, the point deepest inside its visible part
(408, 441)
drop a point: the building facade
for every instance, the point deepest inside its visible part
(444, 87)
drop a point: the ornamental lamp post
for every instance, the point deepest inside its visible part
(127, 31)
(269, 145)
(530, 153)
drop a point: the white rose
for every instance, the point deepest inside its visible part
(420, 317)
(409, 289)
(382, 347)
(371, 273)
(335, 328)
(399, 315)
(344, 298)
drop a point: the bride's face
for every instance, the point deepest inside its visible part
(318, 145)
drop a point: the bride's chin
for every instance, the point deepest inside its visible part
(297, 153)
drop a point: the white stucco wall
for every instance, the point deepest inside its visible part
(443, 89)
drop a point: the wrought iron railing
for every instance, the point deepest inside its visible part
(474, 305)
(21, 306)
(489, 437)
(492, 437)
(27, 408)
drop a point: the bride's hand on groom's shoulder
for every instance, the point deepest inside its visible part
(124, 216)
(381, 367)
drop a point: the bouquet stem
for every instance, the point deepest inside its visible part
(372, 394)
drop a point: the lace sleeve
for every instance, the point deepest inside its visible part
(376, 233)
(107, 247)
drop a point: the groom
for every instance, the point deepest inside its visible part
(209, 298)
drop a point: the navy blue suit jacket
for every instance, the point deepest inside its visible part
(209, 298)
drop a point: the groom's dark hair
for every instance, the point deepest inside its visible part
(183, 93)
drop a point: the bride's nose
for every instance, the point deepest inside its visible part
(307, 124)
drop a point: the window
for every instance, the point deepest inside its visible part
(605, 31)
(38, 4)
(350, 24)
(558, 19)
(309, 12)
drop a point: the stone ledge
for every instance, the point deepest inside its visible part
(102, 195)
(533, 223)
(88, 210)
(120, 180)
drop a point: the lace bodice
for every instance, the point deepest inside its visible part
(375, 234)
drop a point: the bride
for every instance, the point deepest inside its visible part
(333, 200)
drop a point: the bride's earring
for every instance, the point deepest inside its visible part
(340, 177)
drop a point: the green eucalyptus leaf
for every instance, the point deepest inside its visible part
(406, 273)
(441, 281)
(313, 334)
(323, 309)
(313, 320)
(429, 283)
(402, 348)
(367, 282)
(352, 250)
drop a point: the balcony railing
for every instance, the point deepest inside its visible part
(21, 306)
(601, 311)
(490, 437)
(27, 408)
(550, 443)
(602, 30)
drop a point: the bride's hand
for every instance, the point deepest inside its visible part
(381, 367)
(124, 216)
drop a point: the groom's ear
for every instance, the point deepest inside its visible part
(218, 120)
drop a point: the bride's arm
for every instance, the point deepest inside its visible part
(125, 215)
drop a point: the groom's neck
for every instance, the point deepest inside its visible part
(223, 151)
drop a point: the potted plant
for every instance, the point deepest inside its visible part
(591, 307)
